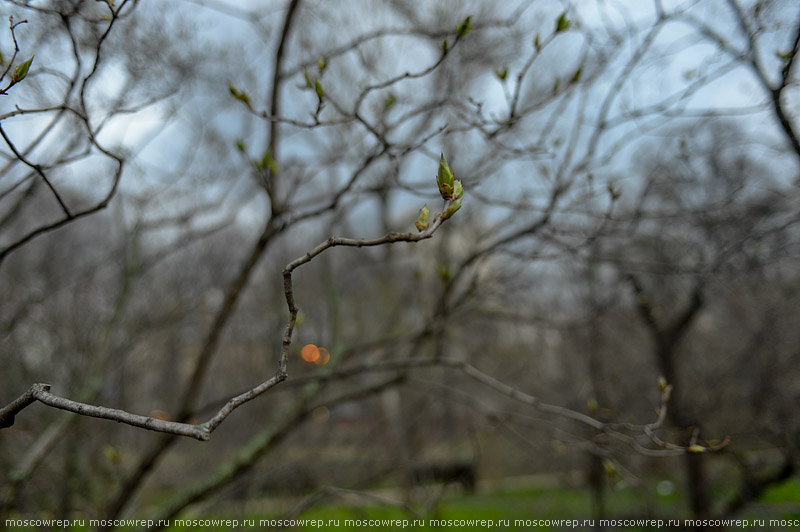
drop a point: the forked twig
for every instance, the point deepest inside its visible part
(41, 392)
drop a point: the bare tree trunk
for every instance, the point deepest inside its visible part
(666, 339)
(597, 487)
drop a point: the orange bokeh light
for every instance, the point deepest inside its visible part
(323, 358)
(310, 353)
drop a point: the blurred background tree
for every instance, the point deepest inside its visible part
(631, 175)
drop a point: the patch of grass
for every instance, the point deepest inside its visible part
(788, 491)
(507, 510)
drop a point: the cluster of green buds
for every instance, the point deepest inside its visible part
(451, 191)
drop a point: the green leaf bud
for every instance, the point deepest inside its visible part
(458, 189)
(592, 405)
(240, 95)
(451, 209)
(21, 71)
(318, 88)
(423, 218)
(445, 179)
(464, 27)
(268, 162)
(562, 22)
(613, 191)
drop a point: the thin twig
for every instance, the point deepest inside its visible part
(38, 170)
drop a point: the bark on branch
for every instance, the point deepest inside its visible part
(202, 432)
